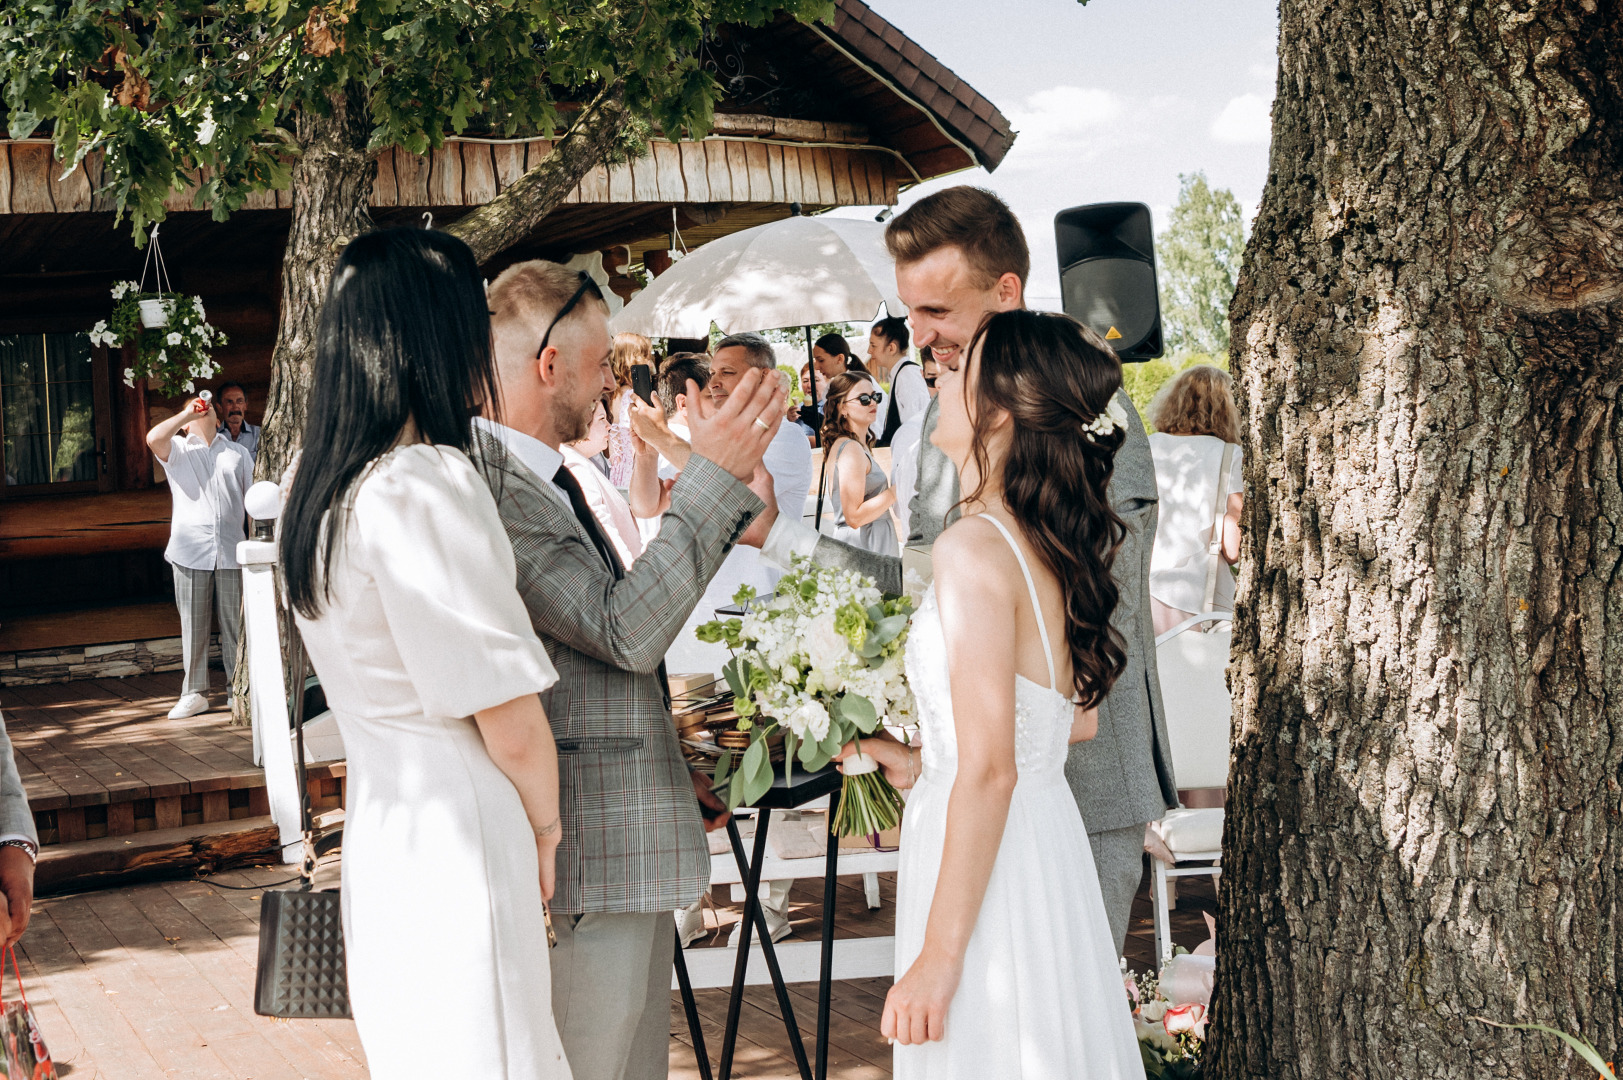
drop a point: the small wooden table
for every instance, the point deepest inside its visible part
(797, 790)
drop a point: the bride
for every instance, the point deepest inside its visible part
(1001, 935)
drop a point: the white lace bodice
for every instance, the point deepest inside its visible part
(1042, 717)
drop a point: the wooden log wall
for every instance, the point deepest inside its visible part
(723, 169)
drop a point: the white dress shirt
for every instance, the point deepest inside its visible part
(206, 483)
(533, 454)
(904, 467)
(788, 458)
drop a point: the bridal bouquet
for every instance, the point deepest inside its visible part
(821, 662)
(1171, 1035)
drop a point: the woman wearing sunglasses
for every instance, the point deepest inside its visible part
(859, 493)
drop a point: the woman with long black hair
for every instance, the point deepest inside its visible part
(403, 584)
(1008, 968)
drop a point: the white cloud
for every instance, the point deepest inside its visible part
(1064, 123)
(1244, 120)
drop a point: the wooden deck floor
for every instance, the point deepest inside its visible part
(100, 757)
(156, 981)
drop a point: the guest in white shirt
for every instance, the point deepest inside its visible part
(208, 475)
(788, 460)
(1195, 419)
(890, 360)
(608, 505)
(234, 404)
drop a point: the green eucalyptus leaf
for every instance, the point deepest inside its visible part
(859, 712)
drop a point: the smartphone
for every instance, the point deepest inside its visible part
(642, 383)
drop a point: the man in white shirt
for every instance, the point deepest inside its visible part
(788, 459)
(234, 404)
(208, 475)
(909, 396)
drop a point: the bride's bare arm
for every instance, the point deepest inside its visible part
(978, 608)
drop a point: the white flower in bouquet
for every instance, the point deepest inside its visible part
(820, 663)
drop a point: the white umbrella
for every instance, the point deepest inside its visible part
(795, 272)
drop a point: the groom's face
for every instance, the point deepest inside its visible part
(584, 370)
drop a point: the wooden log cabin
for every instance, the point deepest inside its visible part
(844, 114)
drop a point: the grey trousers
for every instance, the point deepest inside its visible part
(197, 594)
(1118, 857)
(611, 994)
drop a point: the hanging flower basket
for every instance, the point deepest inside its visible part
(171, 335)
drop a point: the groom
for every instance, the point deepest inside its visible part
(960, 256)
(633, 847)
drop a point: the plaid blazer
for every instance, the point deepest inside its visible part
(633, 839)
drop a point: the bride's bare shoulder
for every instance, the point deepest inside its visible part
(971, 552)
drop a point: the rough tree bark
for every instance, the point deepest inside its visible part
(332, 191)
(1423, 819)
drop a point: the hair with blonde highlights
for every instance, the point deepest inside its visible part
(1199, 400)
(629, 351)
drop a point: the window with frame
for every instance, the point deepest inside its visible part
(52, 418)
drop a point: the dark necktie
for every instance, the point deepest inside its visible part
(588, 520)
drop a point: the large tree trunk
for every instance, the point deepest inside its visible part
(1423, 815)
(332, 191)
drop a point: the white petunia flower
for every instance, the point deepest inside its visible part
(129, 377)
(205, 130)
(173, 338)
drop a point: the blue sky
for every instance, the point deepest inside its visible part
(1112, 100)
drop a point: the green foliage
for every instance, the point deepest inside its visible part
(1581, 1046)
(1198, 255)
(167, 87)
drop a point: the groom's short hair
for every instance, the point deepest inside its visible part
(971, 219)
(526, 296)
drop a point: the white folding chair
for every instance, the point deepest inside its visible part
(1194, 689)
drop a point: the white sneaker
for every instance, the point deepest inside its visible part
(690, 923)
(776, 922)
(189, 705)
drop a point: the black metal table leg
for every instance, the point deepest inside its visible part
(755, 920)
(691, 1007)
(825, 972)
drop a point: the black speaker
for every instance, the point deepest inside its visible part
(1107, 275)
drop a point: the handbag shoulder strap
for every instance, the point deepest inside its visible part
(1214, 547)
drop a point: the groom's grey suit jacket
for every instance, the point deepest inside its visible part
(1123, 777)
(633, 839)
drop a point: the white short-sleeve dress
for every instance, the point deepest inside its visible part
(443, 927)
(1186, 468)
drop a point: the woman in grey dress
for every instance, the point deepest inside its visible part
(859, 493)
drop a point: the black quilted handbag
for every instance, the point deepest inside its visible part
(301, 974)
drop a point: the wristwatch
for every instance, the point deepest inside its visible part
(33, 852)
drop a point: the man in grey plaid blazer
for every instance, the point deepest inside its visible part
(960, 255)
(633, 847)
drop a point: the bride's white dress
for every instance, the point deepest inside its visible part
(1042, 995)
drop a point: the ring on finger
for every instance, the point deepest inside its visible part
(762, 424)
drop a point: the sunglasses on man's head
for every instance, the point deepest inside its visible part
(869, 399)
(586, 285)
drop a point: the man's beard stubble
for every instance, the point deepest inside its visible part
(573, 423)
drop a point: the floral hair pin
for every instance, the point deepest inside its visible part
(1113, 419)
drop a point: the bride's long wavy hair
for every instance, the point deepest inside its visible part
(1055, 378)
